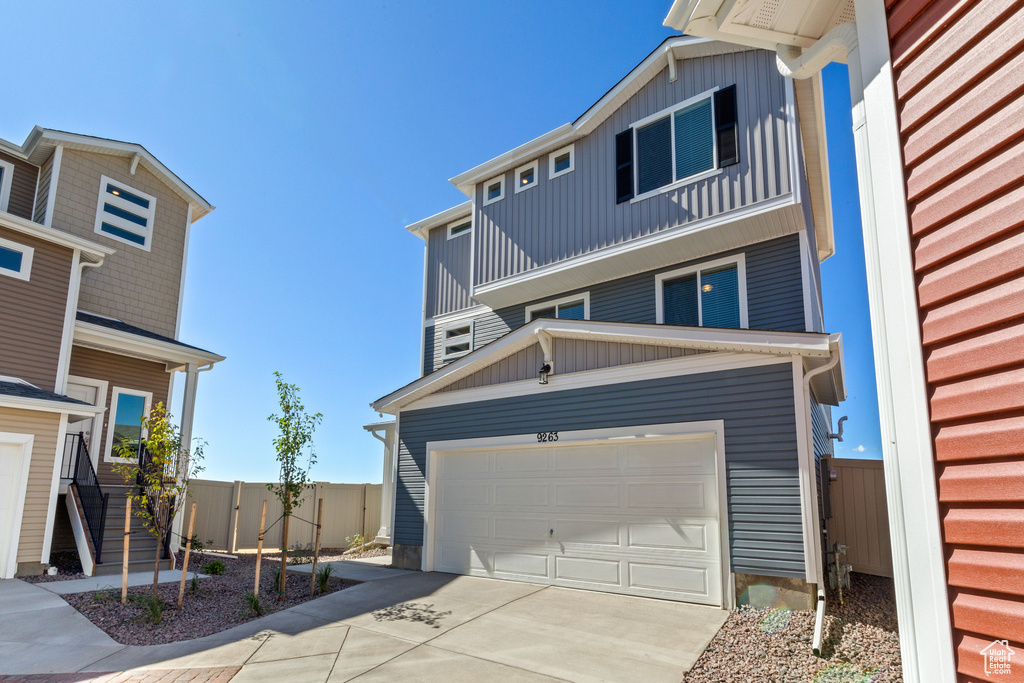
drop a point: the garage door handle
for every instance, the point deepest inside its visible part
(552, 533)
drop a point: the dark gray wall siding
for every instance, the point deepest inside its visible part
(821, 426)
(774, 297)
(447, 272)
(760, 445)
(576, 213)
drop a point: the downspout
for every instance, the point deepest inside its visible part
(837, 43)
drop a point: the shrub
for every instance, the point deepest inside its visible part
(301, 554)
(356, 541)
(253, 606)
(194, 583)
(323, 577)
(215, 567)
(154, 607)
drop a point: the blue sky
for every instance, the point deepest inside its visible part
(320, 130)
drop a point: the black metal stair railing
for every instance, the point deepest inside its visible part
(90, 494)
(166, 507)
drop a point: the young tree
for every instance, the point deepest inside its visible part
(294, 441)
(158, 480)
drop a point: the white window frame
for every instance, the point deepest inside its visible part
(571, 149)
(558, 302)
(740, 260)
(26, 260)
(115, 394)
(501, 195)
(101, 215)
(670, 112)
(455, 224)
(536, 171)
(97, 422)
(6, 183)
(460, 339)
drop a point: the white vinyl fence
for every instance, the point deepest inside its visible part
(860, 518)
(228, 514)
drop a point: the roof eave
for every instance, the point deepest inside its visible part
(423, 227)
(96, 252)
(104, 338)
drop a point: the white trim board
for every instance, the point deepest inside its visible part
(557, 304)
(668, 431)
(9, 565)
(51, 506)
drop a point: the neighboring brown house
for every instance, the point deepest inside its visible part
(938, 115)
(93, 245)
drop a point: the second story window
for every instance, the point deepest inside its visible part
(15, 259)
(460, 227)
(458, 340)
(494, 190)
(125, 214)
(713, 294)
(561, 161)
(526, 176)
(575, 307)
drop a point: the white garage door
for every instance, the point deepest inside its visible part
(11, 463)
(639, 518)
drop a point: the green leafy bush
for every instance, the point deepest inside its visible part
(356, 541)
(215, 567)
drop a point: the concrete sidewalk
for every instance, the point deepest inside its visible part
(98, 583)
(425, 627)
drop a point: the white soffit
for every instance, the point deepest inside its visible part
(760, 23)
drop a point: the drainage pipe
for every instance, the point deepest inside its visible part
(835, 45)
(819, 619)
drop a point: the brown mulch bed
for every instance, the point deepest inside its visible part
(218, 605)
(860, 641)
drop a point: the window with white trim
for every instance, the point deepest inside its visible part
(494, 190)
(682, 143)
(526, 176)
(561, 161)
(125, 214)
(458, 339)
(460, 227)
(6, 180)
(576, 307)
(712, 294)
(15, 259)
(128, 407)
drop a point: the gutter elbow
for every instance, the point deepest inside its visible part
(838, 43)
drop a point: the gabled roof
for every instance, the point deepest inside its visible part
(41, 142)
(817, 349)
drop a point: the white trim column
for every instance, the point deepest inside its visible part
(388, 486)
(918, 565)
(188, 413)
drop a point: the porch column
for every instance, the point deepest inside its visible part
(388, 485)
(188, 413)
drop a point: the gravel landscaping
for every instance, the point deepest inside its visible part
(219, 603)
(860, 641)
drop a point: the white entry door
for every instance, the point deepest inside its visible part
(633, 516)
(15, 452)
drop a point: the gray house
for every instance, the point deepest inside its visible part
(626, 379)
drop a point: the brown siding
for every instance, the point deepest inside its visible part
(32, 313)
(45, 427)
(134, 285)
(124, 372)
(23, 187)
(959, 75)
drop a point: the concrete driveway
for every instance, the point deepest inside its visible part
(414, 626)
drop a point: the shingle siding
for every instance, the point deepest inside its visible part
(23, 186)
(760, 447)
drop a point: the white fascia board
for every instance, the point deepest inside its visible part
(50, 406)
(466, 181)
(96, 252)
(711, 339)
(826, 238)
(423, 227)
(124, 343)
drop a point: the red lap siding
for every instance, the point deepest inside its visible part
(959, 75)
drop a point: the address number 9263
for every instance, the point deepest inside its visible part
(547, 437)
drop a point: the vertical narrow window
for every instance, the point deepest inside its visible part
(720, 297)
(127, 408)
(695, 147)
(680, 297)
(623, 166)
(727, 127)
(654, 155)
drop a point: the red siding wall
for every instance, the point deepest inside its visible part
(959, 72)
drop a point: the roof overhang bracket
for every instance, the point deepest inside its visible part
(671, 64)
(544, 339)
(136, 158)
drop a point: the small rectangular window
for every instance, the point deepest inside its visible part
(526, 176)
(459, 227)
(561, 161)
(457, 340)
(570, 308)
(15, 259)
(127, 409)
(708, 295)
(125, 214)
(494, 190)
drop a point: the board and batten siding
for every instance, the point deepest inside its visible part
(23, 186)
(32, 313)
(775, 299)
(46, 428)
(124, 372)
(957, 69)
(576, 213)
(448, 265)
(760, 447)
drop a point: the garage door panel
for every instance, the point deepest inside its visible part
(669, 536)
(596, 495)
(521, 529)
(588, 569)
(691, 495)
(522, 495)
(464, 463)
(530, 564)
(690, 457)
(459, 524)
(521, 461)
(694, 581)
(454, 494)
(606, 533)
(461, 558)
(591, 460)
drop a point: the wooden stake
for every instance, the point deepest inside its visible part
(124, 565)
(188, 550)
(259, 549)
(316, 547)
(284, 546)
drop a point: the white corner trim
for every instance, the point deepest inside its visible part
(805, 466)
(115, 394)
(184, 270)
(501, 192)
(146, 213)
(9, 564)
(6, 180)
(51, 195)
(51, 507)
(805, 283)
(557, 304)
(517, 176)
(739, 259)
(68, 333)
(660, 432)
(25, 271)
(571, 149)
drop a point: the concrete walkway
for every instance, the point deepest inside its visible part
(98, 583)
(415, 626)
(355, 570)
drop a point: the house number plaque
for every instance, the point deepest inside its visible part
(546, 437)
